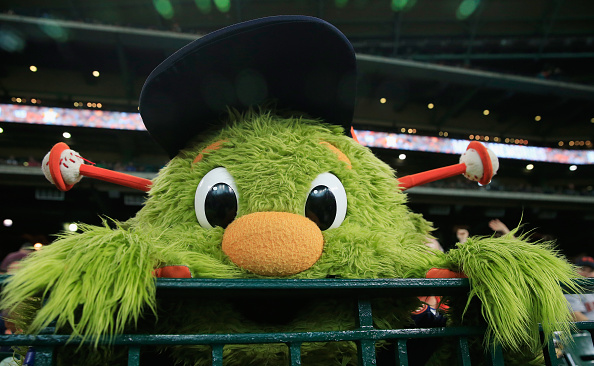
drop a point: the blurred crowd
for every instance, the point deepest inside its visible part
(79, 117)
(524, 187)
(33, 162)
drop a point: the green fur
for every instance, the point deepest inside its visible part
(518, 284)
(99, 282)
(101, 271)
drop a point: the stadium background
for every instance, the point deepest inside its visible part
(518, 73)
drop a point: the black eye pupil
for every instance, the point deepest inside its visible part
(321, 207)
(220, 206)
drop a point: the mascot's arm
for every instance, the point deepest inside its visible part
(95, 282)
(518, 284)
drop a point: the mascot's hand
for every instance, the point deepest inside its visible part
(93, 283)
(518, 284)
(444, 273)
(172, 272)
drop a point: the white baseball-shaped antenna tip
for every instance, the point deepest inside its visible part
(70, 162)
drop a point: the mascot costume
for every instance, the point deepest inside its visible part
(267, 180)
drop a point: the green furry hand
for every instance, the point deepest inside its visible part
(518, 284)
(85, 280)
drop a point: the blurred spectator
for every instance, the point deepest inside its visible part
(434, 244)
(11, 160)
(32, 162)
(130, 167)
(11, 261)
(462, 233)
(583, 304)
(499, 227)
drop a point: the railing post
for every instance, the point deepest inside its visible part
(295, 353)
(548, 351)
(44, 356)
(366, 347)
(217, 355)
(401, 353)
(133, 356)
(463, 352)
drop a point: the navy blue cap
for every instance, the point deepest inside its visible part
(585, 262)
(302, 63)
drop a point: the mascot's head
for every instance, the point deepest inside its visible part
(271, 182)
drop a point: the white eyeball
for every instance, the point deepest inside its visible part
(216, 199)
(326, 203)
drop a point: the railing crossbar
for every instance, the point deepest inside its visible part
(365, 335)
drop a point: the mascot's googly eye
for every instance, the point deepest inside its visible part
(326, 202)
(216, 199)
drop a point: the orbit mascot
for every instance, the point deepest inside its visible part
(267, 180)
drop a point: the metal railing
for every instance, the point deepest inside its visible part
(365, 335)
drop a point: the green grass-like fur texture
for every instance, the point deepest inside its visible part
(92, 277)
(518, 284)
(99, 282)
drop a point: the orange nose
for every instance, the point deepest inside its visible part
(273, 243)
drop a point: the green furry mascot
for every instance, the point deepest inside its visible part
(276, 191)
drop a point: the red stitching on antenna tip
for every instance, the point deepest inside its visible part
(88, 161)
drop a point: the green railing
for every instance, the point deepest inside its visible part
(365, 335)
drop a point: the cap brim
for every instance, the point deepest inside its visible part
(302, 63)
